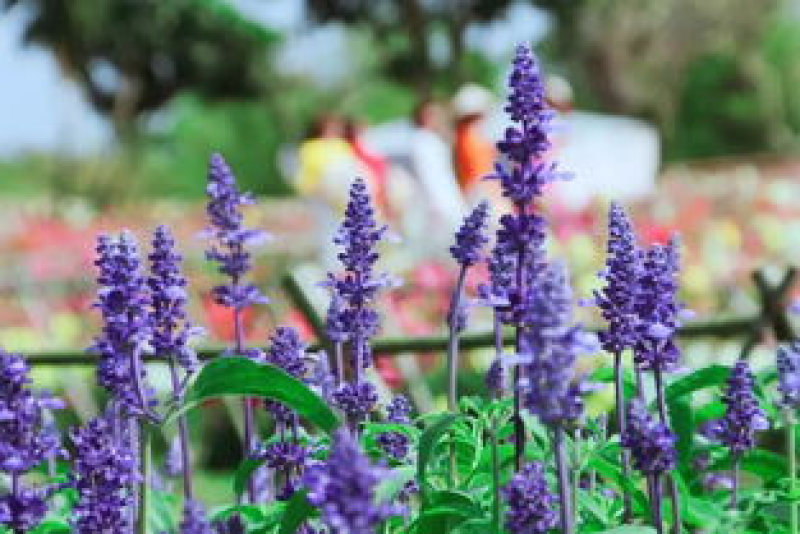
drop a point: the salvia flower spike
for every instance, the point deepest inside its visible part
(788, 363)
(26, 440)
(531, 506)
(124, 301)
(352, 315)
(343, 487)
(105, 469)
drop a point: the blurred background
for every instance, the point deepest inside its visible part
(687, 111)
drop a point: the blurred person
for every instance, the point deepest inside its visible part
(374, 163)
(327, 166)
(326, 163)
(473, 152)
(431, 164)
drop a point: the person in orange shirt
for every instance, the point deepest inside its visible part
(473, 153)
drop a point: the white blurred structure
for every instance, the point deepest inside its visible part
(610, 157)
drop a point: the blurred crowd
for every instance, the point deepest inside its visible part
(422, 181)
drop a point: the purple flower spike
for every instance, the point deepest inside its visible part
(789, 375)
(23, 511)
(124, 301)
(471, 238)
(343, 489)
(356, 400)
(525, 173)
(743, 418)
(25, 440)
(229, 236)
(172, 332)
(104, 470)
(658, 309)
(195, 520)
(531, 505)
(287, 351)
(617, 300)
(652, 443)
(553, 342)
(396, 444)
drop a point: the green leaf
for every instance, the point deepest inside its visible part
(630, 529)
(606, 374)
(243, 473)
(427, 442)
(298, 510)
(244, 377)
(52, 527)
(446, 509)
(680, 415)
(768, 465)
(713, 375)
(394, 482)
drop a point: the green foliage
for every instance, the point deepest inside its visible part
(244, 377)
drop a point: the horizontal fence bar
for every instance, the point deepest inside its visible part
(390, 346)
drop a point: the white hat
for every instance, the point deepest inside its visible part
(472, 99)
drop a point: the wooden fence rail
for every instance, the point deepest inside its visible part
(771, 318)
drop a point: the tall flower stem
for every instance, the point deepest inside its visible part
(183, 436)
(453, 341)
(655, 488)
(145, 461)
(737, 458)
(619, 394)
(562, 471)
(791, 451)
(247, 408)
(15, 483)
(338, 350)
(497, 515)
(673, 487)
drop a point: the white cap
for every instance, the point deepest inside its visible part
(472, 99)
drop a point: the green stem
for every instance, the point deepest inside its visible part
(144, 487)
(562, 471)
(497, 518)
(791, 451)
(619, 392)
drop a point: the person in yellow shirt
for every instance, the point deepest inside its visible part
(326, 163)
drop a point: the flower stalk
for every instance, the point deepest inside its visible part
(791, 452)
(563, 475)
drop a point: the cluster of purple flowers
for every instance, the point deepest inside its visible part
(395, 443)
(551, 390)
(351, 317)
(343, 489)
(531, 505)
(617, 300)
(789, 375)
(651, 442)
(26, 440)
(230, 237)
(471, 237)
(124, 301)
(287, 456)
(743, 417)
(657, 308)
(171, 329)
(105, 468)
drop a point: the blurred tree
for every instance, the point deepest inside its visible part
(697, 68)
(422, 42)
(132, 56)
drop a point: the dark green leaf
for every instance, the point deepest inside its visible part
(680, 415)
(427, 442)
(298, 510)
(713, 375)
(768, 465)
(243, 474)
(52, 527)
(630, 529)
(244, 377)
